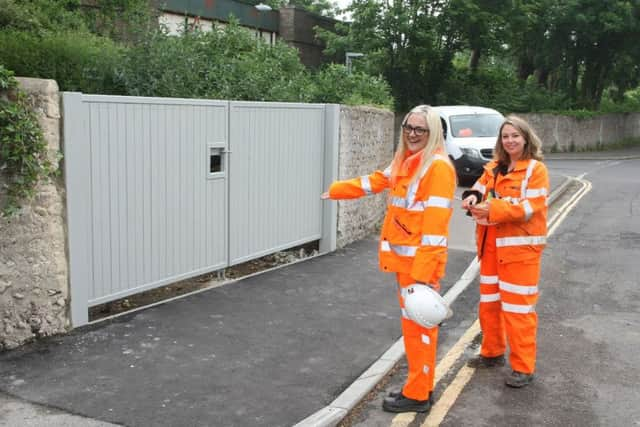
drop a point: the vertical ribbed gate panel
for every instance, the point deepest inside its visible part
(163, 189)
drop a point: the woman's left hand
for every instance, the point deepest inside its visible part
(480, 211)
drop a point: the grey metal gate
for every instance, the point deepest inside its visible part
(159, 190)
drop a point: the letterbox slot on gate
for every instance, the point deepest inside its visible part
(216, 160)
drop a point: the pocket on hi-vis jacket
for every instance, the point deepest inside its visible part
(401, 227)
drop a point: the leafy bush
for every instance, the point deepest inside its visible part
(498, 87)
(23, 150)
(225, 63)
(78, 61)
(333, 84)
(630, 103)
(52, 39)
(41, 16)
(127, 21)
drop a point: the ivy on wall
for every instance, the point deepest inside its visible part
(24, 160)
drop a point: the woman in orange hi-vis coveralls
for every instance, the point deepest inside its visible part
(413, 241)
(511, 234)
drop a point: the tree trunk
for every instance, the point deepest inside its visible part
(474, 60)
(525, 68)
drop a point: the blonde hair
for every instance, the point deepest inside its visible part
(435, 141)
(532, 143)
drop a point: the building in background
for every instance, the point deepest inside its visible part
(291, 24)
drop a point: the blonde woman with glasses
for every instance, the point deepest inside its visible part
(413, 243)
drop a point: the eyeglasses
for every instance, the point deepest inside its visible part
(418, 131)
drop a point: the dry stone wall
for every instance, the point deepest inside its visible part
(33, 262)
(366, 144)
(564, 133)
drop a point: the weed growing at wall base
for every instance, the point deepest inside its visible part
(23, 150)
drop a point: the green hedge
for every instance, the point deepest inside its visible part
(333, 84)
(223, 64)
(78, 61)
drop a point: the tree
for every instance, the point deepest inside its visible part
(402, 40)
(576, 46)
(479, 24)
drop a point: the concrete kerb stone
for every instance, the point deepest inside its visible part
(332, 414)
(560, 190)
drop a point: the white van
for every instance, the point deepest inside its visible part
(470, 135)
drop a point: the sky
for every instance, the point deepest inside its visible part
(342, 4)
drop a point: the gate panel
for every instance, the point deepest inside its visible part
(277, 166)
(155, 213)
(154, 195)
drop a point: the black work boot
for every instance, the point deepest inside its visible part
(400, 403)
(394, 393)
(481, 361)
(518, 379)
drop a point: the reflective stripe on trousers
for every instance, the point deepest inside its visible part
(508, 295)
(420, 347)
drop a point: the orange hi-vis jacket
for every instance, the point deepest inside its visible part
(518, 211)
(416, 227)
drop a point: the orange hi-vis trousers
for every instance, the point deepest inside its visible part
(420, 347)
(508, 295)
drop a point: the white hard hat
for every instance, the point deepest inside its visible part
(424, 305)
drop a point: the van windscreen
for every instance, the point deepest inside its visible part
(475, 125)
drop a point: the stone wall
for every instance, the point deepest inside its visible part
(366, 144)
(564, 133)
(33, 264)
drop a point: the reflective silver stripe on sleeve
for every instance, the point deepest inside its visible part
(387, 172)
(524, 240)
(479, 187)
(535, 192)
(528, 210)
(434, 240)
(438, 202)
(518, 289)
(398, 249)
(366, 184)
(404, 314)
(489, 280)
(516, 308)
(426, 339)
(489, 297)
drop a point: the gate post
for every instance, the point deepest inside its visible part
(77, 170)
(331, 155)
